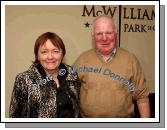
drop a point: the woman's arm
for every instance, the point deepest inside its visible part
(18, 104)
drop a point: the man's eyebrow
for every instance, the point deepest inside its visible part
(104, 32)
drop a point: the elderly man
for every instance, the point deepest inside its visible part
(112, 78)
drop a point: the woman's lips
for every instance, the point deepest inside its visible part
(50, 62)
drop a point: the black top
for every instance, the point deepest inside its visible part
(64, 104)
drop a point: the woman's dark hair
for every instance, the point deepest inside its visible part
(54, 38)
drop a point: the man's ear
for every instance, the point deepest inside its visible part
(116, 36)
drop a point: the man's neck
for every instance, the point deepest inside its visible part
(107, 57)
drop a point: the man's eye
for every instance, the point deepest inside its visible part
(108, 32)
(99, 34)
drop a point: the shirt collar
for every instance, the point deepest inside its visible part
(112, 54)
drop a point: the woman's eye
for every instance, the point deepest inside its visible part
(56, 51)
(43, 52)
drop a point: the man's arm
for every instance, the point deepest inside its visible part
(144, 109)
(141, 92)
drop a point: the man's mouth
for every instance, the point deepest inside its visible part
(105, 44)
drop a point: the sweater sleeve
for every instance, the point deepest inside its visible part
(141, 89)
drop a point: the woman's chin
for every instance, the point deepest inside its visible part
(50, 69)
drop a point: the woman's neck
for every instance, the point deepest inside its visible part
(53, 73)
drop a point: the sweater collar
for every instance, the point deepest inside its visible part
(112, 54)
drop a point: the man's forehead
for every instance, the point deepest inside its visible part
(104, 23)
(107, 27)
(104, 19)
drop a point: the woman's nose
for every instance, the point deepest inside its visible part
(50, 55)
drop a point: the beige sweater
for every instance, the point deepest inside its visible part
(108, 89)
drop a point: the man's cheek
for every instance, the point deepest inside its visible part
(97, 39)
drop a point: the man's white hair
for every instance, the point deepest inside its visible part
(103, 16)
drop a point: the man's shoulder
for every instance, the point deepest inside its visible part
(123, 51)
(125, 54)
(88, 52)
(85, 56)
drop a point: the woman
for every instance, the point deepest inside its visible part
(47, 88)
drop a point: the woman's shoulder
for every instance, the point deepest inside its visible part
(20, 80)
(21, 75)
(67, 66)
(26, 74)
(71, 74)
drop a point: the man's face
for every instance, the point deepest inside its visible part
(104, 35)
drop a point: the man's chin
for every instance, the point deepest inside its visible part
(105, 52)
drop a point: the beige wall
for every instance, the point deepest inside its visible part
(142, 43)
(25, 23)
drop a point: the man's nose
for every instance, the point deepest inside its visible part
(104, 37)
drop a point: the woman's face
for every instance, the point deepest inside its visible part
(50, 56)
